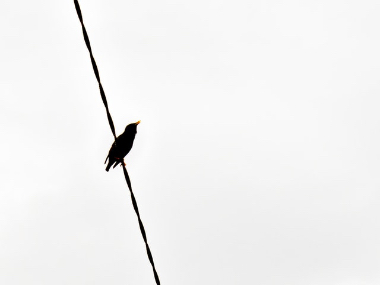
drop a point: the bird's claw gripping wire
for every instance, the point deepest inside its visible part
(121, 161)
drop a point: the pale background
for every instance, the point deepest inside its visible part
(256, 160)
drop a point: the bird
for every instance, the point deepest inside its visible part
(122, 146)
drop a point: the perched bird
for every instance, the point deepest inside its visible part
(121, 147)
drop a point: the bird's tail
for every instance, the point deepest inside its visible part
(109, 166)
(109, 162)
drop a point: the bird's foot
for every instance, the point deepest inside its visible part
(121, 161)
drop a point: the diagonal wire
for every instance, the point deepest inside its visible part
(95, 67)
(110, 121)
(140, 224)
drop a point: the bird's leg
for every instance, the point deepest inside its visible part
(121, 161)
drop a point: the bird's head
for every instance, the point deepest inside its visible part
(132, 127)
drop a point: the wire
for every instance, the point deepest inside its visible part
(110, 121)
(95, 67)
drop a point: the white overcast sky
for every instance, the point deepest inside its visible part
(256, 161)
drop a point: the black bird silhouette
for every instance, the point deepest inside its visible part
(122, 146)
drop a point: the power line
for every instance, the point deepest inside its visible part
(110, 121)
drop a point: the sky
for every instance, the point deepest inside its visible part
(256, 160)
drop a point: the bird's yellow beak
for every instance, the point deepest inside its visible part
(138, 122)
